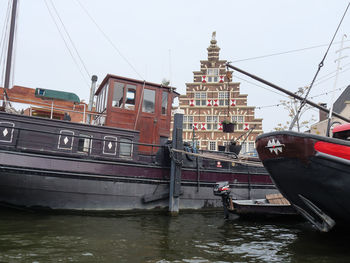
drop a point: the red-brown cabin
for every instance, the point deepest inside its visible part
(136, 105)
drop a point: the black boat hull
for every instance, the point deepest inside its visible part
(315, 181)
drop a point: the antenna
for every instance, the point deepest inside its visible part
(170, 67)
(340, 57)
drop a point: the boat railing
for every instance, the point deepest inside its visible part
(31, 104)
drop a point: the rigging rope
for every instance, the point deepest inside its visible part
(108, 39)
(216, 157)
(318, 70)
(3, 42)
(70, 39)
(312, 97)
(283, 52)
(65, 42)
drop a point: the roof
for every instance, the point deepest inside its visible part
(56, 95)
(108, 76)
(339, 104)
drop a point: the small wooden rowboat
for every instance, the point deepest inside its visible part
(272, 205)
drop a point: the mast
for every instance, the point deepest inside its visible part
(287, 92)
(335, 82)
(10, 47)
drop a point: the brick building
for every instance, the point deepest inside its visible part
(211, 98)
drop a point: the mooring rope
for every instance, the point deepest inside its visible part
(240, 160)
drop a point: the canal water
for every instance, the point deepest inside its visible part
(190, 237)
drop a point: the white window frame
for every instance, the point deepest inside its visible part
(110, 138)
(5, 127)
(64, 132)
(211, 143)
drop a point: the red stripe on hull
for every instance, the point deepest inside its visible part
(333, 149)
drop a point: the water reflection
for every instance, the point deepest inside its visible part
(193, 238)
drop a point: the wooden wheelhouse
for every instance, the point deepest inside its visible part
(136, 105)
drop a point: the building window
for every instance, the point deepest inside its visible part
(187, 123)
(212, 146)
(244, 148)
(201, 98)
(223, 95)
(223, 98)
(125, 147)
(239, 121)
(149, 98)
(84, 143)
(209, 122)
(212, 122)
(213, 75)
(164, 103)
(251, 147)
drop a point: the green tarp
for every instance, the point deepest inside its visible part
(56, 95)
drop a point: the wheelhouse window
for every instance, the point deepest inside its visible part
(125, 147)
(84, 143)
(102, 99)
(130, 97)
(118, 95)
(124, 96)
(164, 103)
(149, 98)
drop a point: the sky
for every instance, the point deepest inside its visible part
(159, 39)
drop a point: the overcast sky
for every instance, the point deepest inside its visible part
(158, 39)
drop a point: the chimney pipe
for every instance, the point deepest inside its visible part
(322, 114)
(92, 94)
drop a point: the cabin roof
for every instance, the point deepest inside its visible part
(108, 76)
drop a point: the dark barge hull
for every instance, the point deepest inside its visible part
(35, 173)
(312, 172)
(102, 186)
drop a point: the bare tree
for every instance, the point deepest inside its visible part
(292, 105)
